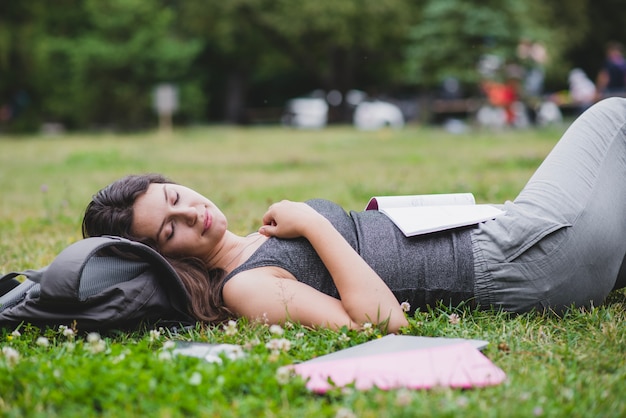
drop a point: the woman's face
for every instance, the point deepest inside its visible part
(181, 221)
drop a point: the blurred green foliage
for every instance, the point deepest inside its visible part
(94, 64)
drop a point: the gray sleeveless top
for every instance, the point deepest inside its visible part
(420, 270)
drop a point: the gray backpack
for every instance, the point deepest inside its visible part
(97, 284)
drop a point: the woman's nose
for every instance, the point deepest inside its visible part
(188, 214)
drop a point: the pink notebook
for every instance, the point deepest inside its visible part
(403, 361)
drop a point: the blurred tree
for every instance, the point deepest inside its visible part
(453, 35)
(105, 62)
(21, 28)
(322, 44)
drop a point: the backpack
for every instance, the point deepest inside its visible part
(97, 284)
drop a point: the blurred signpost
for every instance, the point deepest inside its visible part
(165, 104)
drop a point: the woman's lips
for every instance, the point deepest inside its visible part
(207, 220)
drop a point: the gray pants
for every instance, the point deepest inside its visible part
(562, 241)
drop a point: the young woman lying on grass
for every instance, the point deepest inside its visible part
(561, 243)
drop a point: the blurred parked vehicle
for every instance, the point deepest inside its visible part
(306, 113)
(372, 115)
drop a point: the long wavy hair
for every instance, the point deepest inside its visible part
(110, 212)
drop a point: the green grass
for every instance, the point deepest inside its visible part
(571, 366)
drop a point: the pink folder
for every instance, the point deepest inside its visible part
(455, 364)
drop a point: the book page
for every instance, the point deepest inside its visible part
(382, 202)
(425, 219)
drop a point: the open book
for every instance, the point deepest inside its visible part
(422, 214)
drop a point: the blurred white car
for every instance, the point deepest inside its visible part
(306, 113)
(371, 115)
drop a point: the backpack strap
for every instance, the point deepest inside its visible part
(13, 291)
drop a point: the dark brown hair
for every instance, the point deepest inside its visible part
(110, 212)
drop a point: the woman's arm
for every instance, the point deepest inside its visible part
(364, 295)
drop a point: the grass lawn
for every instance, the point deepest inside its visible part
(572, 366)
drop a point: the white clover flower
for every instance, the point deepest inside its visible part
(42, 342)
(300, 335)
(403, 397)
(195, 379)
(16, 334)
(454, 319)
(289, 325)
(68, 333)
(343, 337)
(98, 347)
(11, 355)
(406, 306)
(154, 335)
(119, 358)
(368, 329)
(95, 344)
(283, 375)
(276, 329)
(230, 328)
(345, 413)
(250, 344)
(279, 344)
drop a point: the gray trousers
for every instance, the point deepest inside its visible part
(562, 241)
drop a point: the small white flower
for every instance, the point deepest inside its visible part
(289, 325)
(276, 330)
(345, 413)
(42, 342)
(68, 333)
(154, 335)
(250, 344)
(11, 355)
(300, 335)
(119, 358)
(279, 344)
(454, 319)
(406, 306)
(195, 379)
(343, 337)
(95, 344)
(97, 347)
(368, 329)
(403, 397)
(165, 355)
(16, 334)
(283, 375)
(230, 328)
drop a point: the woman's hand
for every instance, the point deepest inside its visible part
(288, 219)
(364, 297)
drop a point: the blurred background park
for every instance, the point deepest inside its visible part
(71, 65)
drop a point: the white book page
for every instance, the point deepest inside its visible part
(426, 219)
(383, 202)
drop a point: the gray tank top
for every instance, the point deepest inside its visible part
(420, 270)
